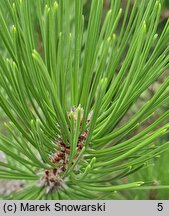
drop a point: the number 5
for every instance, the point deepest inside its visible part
(160, 207)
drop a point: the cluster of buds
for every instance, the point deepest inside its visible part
(81, 140)
(53, 178)
(61, 156)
